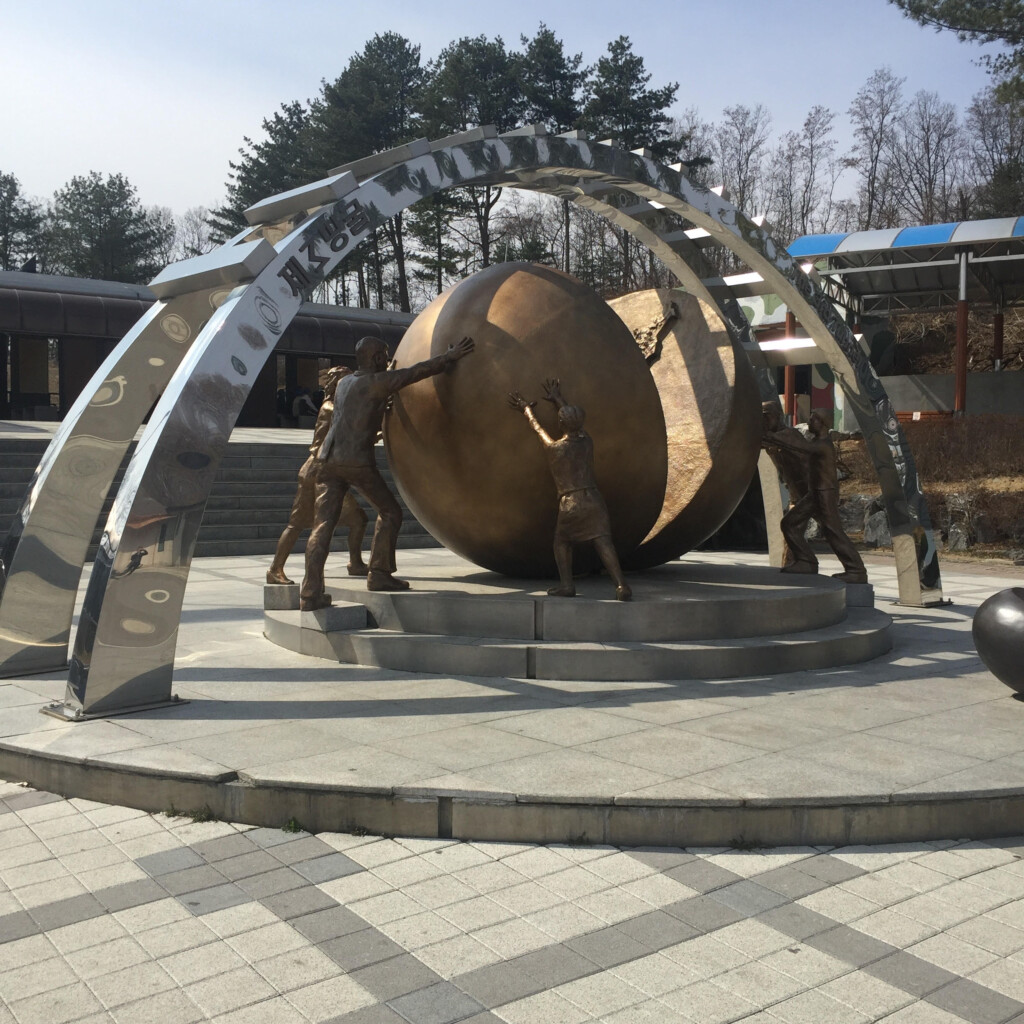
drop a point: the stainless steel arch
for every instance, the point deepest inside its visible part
(124, 649)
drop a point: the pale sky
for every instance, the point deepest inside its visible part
(165, 93)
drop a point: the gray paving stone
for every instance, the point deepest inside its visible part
(360, 949)
(304, 848)
(247, 864)
(396, 977)
(69, 911)
(796, 921)
(608, 947)
(168, 861)
(131, 894)
(830, 869)
(555, 965)
(270, 838)
(377, 1014)
(975, 1003)
(4, 809)
(850, 945)
(224, 847)
(177, 883)
(748, 898)
(438, 1004)
(497, 984)
(324, 869)
(483, 1018)
(661, 858)
(31, 798)
(791, 882)
(703, 913)
(217, 897)
(702, 875)
(268, 883)
(910, 973)
(17, 926)
(298, 902)
(328, 924)
(657, 930)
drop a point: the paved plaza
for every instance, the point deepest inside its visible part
(109, 913)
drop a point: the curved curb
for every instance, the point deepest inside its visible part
(495, 816)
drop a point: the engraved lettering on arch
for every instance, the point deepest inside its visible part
(268, 312)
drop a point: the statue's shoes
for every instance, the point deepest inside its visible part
(561, 592)
(313, 604)
(359, 570)
(623, 593)
(851, 577)
(800, 568)
(385, 581)
(278, 577)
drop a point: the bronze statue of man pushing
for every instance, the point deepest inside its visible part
(347, 460)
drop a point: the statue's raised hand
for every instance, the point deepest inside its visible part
(517, 402)
(552, 392)
(460, 350)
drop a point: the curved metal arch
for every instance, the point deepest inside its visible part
(124, 649)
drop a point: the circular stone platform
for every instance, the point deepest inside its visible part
(920, 742)
(686, 621)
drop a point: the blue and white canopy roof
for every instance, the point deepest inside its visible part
(917, 268)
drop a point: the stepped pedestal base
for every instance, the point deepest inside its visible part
(687, 621)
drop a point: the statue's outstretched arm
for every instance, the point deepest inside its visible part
(520, 404)
(790, 440)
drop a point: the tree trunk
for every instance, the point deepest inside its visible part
(395, 236)
(565, 221)
(377, 271)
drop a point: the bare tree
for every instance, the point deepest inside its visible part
(739, 150)
(874, 113)
(994, 133)
(193, 234)
(800, 185)
(927, 160)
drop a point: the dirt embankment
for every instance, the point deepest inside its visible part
(972, 471)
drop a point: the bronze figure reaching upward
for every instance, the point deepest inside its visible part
(301, 518)
(582, 513)
(348, 461)
(820, 501)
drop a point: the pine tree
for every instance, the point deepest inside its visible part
(98, 228)
(620, 105)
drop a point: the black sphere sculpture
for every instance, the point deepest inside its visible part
(998, 632)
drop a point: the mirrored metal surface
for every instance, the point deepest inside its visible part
(45, 550)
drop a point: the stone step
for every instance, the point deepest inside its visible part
(862, 635)
(673, 602)
(249, 504)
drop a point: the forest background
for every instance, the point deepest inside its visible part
(915, 159)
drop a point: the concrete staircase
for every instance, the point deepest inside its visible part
(248, 506)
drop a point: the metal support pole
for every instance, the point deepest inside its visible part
(960, 391)
(789, 404)
(997, 339)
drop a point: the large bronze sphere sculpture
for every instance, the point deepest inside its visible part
(471, 470)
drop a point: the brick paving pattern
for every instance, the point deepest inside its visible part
(112, 914)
